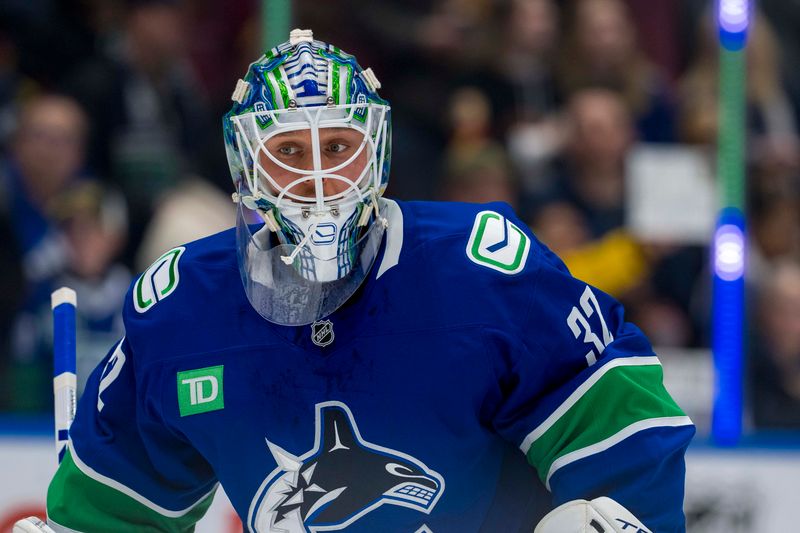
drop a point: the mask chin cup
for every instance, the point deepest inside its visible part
(289, 294)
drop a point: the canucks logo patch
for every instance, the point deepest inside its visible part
(497, 243)
(158, 281)
(341, 479)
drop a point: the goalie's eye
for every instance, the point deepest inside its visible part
(337, 148)
(288, 150)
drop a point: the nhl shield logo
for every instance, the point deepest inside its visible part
(322, 333)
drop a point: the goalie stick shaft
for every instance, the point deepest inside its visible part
(64, 302)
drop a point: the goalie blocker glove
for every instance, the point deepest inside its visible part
(601, 515)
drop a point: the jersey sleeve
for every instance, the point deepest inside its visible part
(583, 398)
(125, 470)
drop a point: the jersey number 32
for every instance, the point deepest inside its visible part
(578, 322)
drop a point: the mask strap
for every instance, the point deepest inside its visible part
(289, 259)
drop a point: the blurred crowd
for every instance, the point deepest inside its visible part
(111, 150)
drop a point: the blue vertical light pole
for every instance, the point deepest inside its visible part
(728, 251)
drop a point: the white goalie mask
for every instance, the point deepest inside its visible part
(308, 146)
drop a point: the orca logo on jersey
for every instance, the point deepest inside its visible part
(341, 479)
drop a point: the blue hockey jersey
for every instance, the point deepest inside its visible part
(396, 414)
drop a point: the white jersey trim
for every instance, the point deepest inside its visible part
(90, 472)
(605, 444)
(394, 237)
(58, 528)
(579, 392)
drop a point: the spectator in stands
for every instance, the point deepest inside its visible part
(427, 50)
(774, 229)
(149, 116)
(47, 154)
(524, 91)
(562, 227)
(601, 49)
(522, 83)
(46, 157)
(590, 198)
(192, 210)
(476, 165)
(599, 134)
(615, 263)
(775, 357)
(458, 31)
(579, 216)
(484, 179)
(94, 221)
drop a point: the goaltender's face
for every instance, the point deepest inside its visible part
(294, 149)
